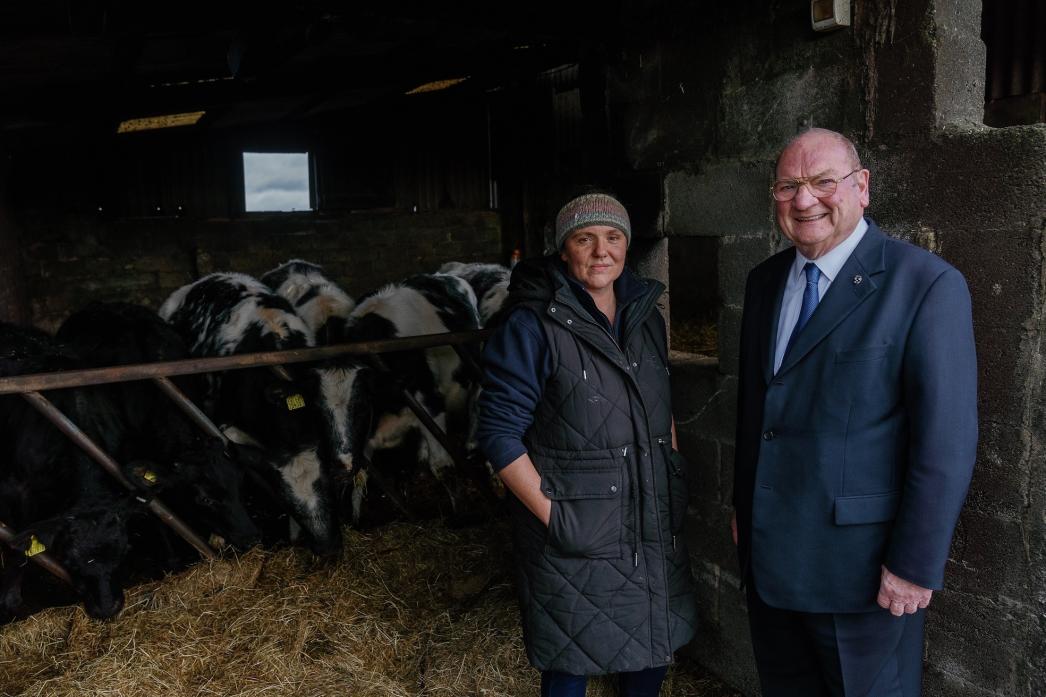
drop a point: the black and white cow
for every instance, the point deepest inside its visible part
(320, 302)
(191, 471)
(490, 284)
(488, 281)
(230, 313)
(51, 489)
(368, 410)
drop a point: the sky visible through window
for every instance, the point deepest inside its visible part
(276, 181)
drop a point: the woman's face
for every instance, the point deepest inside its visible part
(595, 256)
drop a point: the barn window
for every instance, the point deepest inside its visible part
(276, 181)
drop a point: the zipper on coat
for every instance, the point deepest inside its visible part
(632, 485)
(667, 452)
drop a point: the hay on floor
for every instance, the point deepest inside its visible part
(407, 610)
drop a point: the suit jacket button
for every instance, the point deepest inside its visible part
(768, 435)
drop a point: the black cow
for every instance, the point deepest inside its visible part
(50, 488)
(275, 419)
(191, 471)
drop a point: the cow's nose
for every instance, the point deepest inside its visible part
(346, 460)
(104, 608)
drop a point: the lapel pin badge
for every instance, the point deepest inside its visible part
(857, 279)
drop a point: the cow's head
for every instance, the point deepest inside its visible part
(300, 482)
(91, 542)
(346, 406)
(207, 477)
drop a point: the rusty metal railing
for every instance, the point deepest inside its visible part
(42, 559)
(30, 387)
(191, 366)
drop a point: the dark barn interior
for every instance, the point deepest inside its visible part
(441, 132)
(400, 182)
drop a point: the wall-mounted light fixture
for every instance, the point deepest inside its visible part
(167, 121)
(437, 85)
(826, 15)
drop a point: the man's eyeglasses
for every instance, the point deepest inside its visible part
(820, 186)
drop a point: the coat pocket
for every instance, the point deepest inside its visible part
(862, 355)
(586, 510)
(678, 484)
(678, 489)
(871, 508)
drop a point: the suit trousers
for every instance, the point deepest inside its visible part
(861, 654)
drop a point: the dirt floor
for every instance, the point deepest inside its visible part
(408, 610)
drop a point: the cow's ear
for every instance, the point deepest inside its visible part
(276, 392)
(378, 363)
(147, 475)
(249, 455)
(39, 536)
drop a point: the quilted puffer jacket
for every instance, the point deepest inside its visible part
(607, 586)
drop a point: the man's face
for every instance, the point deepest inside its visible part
(817, 225)
(595, 255)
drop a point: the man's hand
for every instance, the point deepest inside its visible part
(733, 527)
(900, 596)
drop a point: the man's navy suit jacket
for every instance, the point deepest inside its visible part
(859, 451)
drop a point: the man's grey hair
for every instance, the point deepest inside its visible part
(855, 160)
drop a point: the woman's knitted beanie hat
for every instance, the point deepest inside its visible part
(591, 209)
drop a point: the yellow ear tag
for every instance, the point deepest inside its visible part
(149, 476)
(295, 401)
(35, 547)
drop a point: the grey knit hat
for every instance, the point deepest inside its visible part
(591, 209)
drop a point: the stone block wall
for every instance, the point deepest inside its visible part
(69, 261)
(906, 83)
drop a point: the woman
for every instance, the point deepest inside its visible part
(576, 418)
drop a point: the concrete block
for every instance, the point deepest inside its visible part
(937, 683)
(988, 558)
(737, 256)
(980, 641)
(1001, 475)
(728, 198)
(723, 643)
(702, 456)
(727, 457)
(701, 402)
(729, 339)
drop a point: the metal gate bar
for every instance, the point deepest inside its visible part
(43, 559)
(460, 461)
(190, 409)
(191, 366)
(73, 432)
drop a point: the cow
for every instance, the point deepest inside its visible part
(191, 471)
(367, 409)
(272, 419)
(489, 282)
(324, 307)
(50, 489)
(321, 304)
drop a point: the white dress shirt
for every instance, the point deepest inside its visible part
(830, 265)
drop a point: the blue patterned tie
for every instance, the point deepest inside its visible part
(810, 299)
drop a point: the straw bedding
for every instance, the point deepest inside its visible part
(407, 610)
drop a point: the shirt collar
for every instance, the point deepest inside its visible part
(832, 263)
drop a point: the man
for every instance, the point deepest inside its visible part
(856, 436)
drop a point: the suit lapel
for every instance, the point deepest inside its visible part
(774, 286)
(854, 284)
